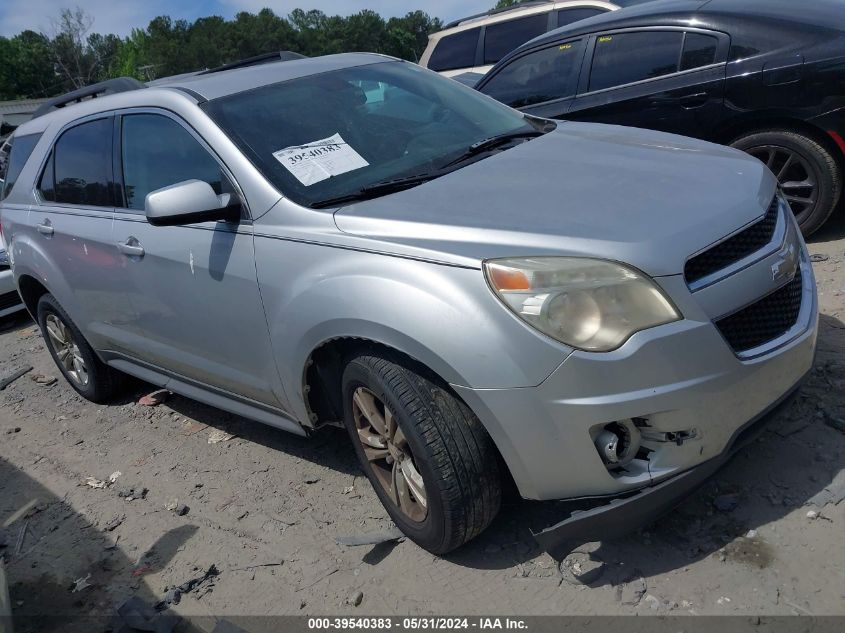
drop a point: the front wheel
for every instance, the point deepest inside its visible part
(428, 457)
(808, 174)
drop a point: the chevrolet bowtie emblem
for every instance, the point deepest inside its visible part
(786, 265)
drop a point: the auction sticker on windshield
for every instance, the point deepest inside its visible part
(319, 160)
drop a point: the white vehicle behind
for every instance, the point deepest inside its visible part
(475, 43)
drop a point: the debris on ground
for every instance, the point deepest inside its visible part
(812, 514)
(5, 382)
(43, 379)
(355, 598)
(217, 436)
(95, 483)
(130, 494)
(114, 476)
(833, 493)
(581, 568)
(21, 537)
(14, 429)
(80, 583)
(114, 523)
(819, 257)
(191, 427)
(726, 503)
(633, 591)
(392, 534)
(136, 615)
(835, 423)
(154, 399)
(201, 584)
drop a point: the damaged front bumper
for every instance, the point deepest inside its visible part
(623, 515)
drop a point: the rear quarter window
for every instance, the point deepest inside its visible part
(20, 151)
(568, 16)
(455, 51)
(699, 50)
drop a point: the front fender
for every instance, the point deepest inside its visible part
(443, 316)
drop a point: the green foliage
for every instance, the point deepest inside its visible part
(504, 4)
(37, 65)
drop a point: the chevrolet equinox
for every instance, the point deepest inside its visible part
(476, 294)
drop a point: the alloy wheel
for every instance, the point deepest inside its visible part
(389, 454)
(66, 349)
(796, 177)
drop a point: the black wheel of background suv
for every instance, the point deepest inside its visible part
(74, 357)
(431, 462)
(808, 174)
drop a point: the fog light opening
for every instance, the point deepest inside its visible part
(618, 443)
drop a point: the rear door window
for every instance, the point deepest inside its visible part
(455, 51)
(158, 152)
(81, 166)
(624, 58)
(544, 75)
(503, 37)
(568, 16)
(699, 50)
(19, 152)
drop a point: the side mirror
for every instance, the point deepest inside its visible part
(189, 202)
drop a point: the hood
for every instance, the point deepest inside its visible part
(640, 197)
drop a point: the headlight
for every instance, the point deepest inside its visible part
(589, 304)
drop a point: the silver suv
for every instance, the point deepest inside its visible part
(592, 311)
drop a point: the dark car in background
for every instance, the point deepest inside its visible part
(765, 76)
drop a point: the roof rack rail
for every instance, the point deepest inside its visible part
(266, 58)
(110, 86)
(518, 5)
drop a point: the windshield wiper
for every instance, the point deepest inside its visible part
(379, 189)
(492, 142)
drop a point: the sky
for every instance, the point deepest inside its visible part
(121, 16)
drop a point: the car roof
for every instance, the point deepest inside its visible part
(664, 12)
(654, 9)
(205, 87)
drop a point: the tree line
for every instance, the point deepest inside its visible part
(34, 64)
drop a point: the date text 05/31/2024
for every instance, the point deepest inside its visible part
(416, 623)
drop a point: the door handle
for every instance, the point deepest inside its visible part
(45, 228)
(694, 100)
(131, 248)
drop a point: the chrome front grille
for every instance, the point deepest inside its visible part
(735, 248)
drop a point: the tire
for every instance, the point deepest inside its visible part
(101, 382)
(445, 442)
(772, 146)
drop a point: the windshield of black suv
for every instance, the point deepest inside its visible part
(329, 136)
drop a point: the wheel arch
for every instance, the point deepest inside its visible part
(756, 122)
(322, 385)
(31, 290)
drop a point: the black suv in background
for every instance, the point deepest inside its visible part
(765, 76)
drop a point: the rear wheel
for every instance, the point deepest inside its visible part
(87, 374)
(808, 174)
(428, 457)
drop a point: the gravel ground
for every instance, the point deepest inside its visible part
(763, 538)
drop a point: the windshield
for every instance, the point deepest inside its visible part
(330, 135)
